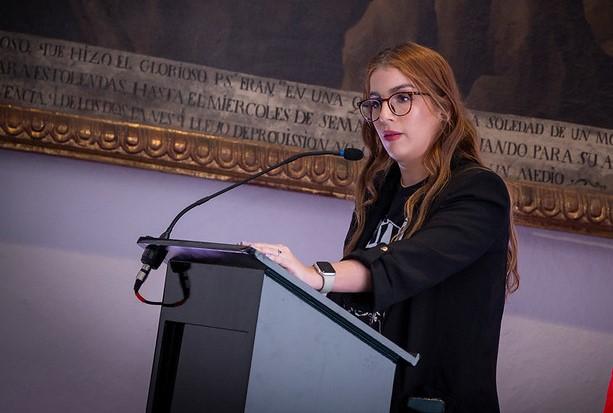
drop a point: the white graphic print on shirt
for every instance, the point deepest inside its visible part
(384, 233)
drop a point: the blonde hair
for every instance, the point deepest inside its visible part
(431, 74)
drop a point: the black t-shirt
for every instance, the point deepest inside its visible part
(386, 229)
(391, 223)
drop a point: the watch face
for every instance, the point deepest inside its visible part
(325, 268)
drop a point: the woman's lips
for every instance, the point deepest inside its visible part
(391, 135)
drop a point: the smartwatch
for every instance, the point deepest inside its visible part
(328, 273)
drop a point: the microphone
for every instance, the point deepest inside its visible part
(351, 154)
(154, 255)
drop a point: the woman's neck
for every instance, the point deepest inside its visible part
(411, 175)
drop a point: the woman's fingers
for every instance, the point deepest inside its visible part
(271, 250)
(280, 254)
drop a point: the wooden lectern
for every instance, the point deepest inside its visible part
(253, 338)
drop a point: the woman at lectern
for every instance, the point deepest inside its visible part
(431, 254)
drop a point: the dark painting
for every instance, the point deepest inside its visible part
(547, 59)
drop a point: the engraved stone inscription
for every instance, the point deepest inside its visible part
(547, 152)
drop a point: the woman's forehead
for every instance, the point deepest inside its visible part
(386, 80)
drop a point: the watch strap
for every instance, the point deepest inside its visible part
(328, 280)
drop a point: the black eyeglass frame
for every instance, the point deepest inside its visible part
(387, 100)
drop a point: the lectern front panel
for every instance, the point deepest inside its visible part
(303, 362)
(212, 370)
(204, 346)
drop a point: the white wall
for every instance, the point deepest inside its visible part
(556, 351)
(73, 337)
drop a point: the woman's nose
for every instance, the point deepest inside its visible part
(386, 111)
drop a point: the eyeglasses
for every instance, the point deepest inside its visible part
(400, 104)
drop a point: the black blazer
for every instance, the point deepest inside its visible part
(443, 290)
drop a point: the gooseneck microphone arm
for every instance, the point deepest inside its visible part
(154, 255)
(349, 154)
(166, 234)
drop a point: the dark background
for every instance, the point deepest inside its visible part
(549, 59)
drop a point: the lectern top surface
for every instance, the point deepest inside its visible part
(205, 252)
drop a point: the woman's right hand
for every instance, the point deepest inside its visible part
(283, 256)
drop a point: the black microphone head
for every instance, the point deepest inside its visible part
(352, 154)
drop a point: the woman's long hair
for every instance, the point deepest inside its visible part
(430, 73)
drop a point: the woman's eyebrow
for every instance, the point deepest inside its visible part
(400, 87)
(394, 89)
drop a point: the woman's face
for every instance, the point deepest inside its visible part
(405, 138)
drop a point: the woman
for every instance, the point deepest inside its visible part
(430, 253)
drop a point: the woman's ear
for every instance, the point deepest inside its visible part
(443, 116)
